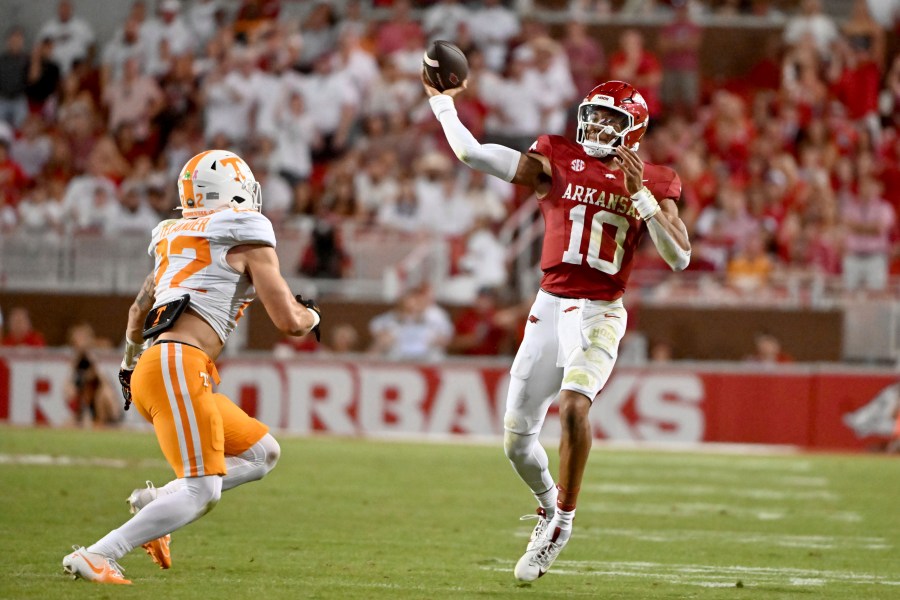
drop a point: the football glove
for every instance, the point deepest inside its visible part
(125, 382)
(311, 305)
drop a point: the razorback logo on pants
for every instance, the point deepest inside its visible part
(196, 427)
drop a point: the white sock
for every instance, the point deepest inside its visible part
(563, 519)
(547, 500)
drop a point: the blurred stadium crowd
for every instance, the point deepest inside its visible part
(794, 166)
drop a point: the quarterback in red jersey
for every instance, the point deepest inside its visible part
(597, 198)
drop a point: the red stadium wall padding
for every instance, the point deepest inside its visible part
(810, 407)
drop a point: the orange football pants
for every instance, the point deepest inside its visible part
(172, 387)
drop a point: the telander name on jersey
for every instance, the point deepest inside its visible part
(199, 224)
(609, 201)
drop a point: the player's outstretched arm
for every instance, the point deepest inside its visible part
(261, 264)
(493, 159)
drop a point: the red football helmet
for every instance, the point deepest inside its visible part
(612, 114)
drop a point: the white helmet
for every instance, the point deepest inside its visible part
(217, 179)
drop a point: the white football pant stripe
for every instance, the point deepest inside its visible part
(189, 408)
(173, 406)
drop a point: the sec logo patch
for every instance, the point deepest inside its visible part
(578, 165)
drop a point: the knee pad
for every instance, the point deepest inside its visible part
(517, 445)
(271, 451)
(203, 492)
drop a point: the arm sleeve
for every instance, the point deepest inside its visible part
(675, 256)
(492, 159)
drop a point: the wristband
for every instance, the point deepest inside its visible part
(316, 318)
(645, 204)
(132, 352)
(440, 104)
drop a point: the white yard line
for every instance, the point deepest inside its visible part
(695, 509)
(724, 474)
(726, 462)
(669, 490)
(49, 460)
(675, 536)
(712, 575)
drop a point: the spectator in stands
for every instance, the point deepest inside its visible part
(485, 257)
(513, 124)
(855, 78)
(125, 44)
(493, 26)
(165, 37)
(13, 78)
(228, 94)
(253, 14)
(355, 61)
(812, 22)
(392, 90)
(12, 178)
(296, 138)
(40, 211)
(411, 331)
(861, 30)
(750, 269)
(869, 221)
(639, 66)
(679, 49)
(401, 213)
(135, 216)
(203, 17)
(587, 60)
(442, 20)
(43, 75)
(375, 185)
(551, 74)
(32, 149)
(768, 350)
(73, 37)
(331, 96)
(94, 398)
(475, 331)
(19, 330)
(392, 34)
(136, 99)
(319, 34)
(82, 191)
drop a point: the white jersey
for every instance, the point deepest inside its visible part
(191, 259)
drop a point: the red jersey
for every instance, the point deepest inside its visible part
(592, 231)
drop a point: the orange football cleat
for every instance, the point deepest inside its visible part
(158, 550)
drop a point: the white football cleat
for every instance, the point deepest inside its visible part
(141, 497)
(542, 521)
(93, 567)
(537, 559)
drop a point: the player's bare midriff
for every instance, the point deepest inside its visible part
(191, 329)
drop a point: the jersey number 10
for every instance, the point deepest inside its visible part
(573, 254)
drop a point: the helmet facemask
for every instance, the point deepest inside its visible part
(602, 128)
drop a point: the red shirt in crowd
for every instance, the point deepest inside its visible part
(32, 338)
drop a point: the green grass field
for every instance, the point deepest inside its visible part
(365, 519)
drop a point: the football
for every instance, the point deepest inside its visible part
(445, 66)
